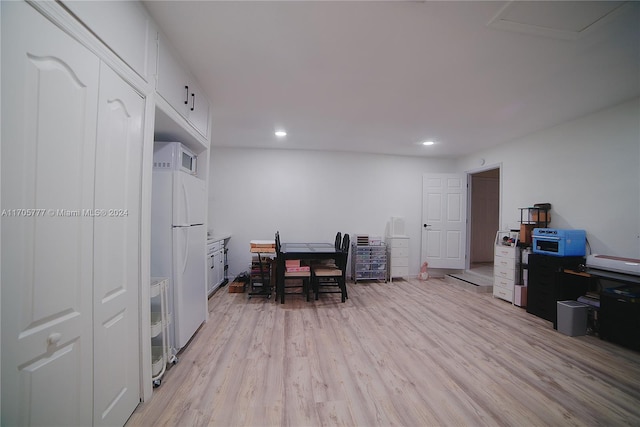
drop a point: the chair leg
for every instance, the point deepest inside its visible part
(282, 291)
(305, 288)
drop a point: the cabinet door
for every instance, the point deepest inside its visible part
(130, 39)
(219, 267)
(180, 89)
(198, 109)
(211, 272)
(116, 250)
(173, 81)
(49, 110)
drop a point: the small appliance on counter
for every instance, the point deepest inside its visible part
(558, 242)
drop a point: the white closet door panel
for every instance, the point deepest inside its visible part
(49, 101)
(47, 405)
(117, 250)
(124, 26)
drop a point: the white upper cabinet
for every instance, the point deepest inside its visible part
(180, 90)
(124, 26)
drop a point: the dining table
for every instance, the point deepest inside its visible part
(306, 251)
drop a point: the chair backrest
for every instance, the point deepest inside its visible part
(338, 241)
(345, 243)
(278, 248)
(344, 254)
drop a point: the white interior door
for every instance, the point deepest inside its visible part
(117, 250)
(49, 110)
(444, 207)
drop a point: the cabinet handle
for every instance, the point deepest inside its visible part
(193, 101)
(186, 101)
(54, 338)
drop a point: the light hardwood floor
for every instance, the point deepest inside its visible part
(410, 353)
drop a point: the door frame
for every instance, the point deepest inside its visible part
(470, 174)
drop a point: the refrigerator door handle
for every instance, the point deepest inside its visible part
(185, 256)
(187, 206)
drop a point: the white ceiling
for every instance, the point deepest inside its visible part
(382, 76)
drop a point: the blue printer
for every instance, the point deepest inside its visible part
(558, 242)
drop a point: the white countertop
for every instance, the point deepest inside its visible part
(218, 236)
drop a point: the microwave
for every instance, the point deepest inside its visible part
(558, 242)
(174, 156)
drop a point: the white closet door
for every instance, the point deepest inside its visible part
(49, 110)
(117, 250)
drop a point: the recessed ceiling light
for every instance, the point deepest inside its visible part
(281, 133)
(428, 143)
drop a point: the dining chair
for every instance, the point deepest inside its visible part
(325, 279)
(330, 262)
(285, 274)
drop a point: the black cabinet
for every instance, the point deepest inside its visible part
(548, 284)
(620, 316)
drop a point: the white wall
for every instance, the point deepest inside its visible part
(588, 169)
(310, 195)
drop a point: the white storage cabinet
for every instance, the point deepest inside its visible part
(506, 264)
(133, 39)
(71, 270)
(398, 256)
(180, 90)
(368, 262)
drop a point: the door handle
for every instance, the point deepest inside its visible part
(193, 101)
(426, 225)
(186, 101)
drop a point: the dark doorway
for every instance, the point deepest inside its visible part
(484, 218)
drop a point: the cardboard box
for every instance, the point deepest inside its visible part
(540, 216)
(520, 295)
(237, 287)
(525, 232)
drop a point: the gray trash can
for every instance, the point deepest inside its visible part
(572, 318)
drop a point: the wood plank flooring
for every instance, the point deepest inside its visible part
(411, 353)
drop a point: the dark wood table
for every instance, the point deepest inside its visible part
(302, 251)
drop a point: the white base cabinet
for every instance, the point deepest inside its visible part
(216, 263)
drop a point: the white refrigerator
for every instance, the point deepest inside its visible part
(178, 249)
